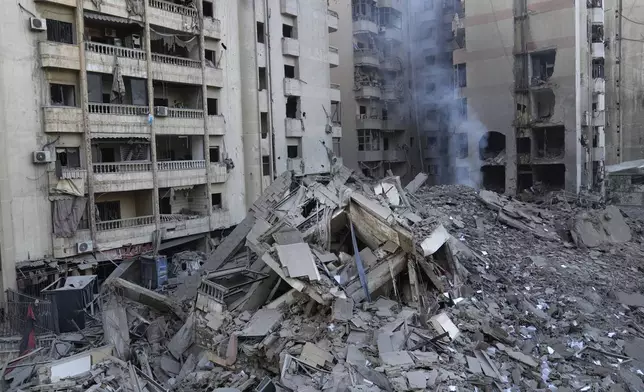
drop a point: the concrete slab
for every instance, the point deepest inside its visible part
(474, 365)
(368, 258)
(416, 183)
(630, 299)
(298, 260)
(355, 356)
(342, 309)
(442, 323)
(396, 358)
(417, 379)
(288, 237)
(314, 355)
(170, 366)
(262, 322)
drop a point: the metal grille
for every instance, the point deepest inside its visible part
(58, 31)
(14, 320)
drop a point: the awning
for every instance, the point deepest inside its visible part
(128, 136)
(109, 18)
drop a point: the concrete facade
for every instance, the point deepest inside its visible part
(158, 114)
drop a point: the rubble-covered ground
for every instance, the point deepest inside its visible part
(470, 290)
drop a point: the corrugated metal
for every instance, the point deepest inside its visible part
(109, 18)
(104, 135)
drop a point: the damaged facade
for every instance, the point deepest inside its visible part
(130, 126)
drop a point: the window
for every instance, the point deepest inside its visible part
(263, 123)
(597, 34)
(68, 157)
(336, 113)
(214, 154)
(211, 58)
(216, 200)
(288, 31)
(62, 94)
(385, 114)
(368, 140)
(212, 107)
(336, 146)
(289, 71)
(543, 66)
(208, 9)
(260, 32)
(266, 165)
(462, 145)
(363, 111)
(385, 143)
(463, 107)
(460, 75)
(262, 78)
(598, 68)
(292, 107)
(432, 141)
(411, 142)
(431, 115)
(292, 151)
(108, 210)
(58, 31)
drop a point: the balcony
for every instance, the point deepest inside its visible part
(180, 122)
(369, 156)
(290, 47)
(597, 50)
(364, 122)
(599, 86)
(394, 155)
(295, 165)
(122, 176)
(63, 119)
(212, 27)
(597, 15)
(66, 3)
(73, 173)
(391, 33)
(101, 58)
(173, 16)
(218, 173)
(335, 94)
(292, 87)
(118, 8)
(181, 225)
(368, 92)
(125, 223)
(294, 127)
(216, 125)
(181, 173)
(128, 231)
(334, 57)
(332, 21)
(366, 57)
(120, 120)
(364, 25)
(398, 5)
(288, 7)
(336, 130)
(392, 93)
(220, 219)
(391, 63)
(176, 69)
(214, 77)
(59, 55)
(393, 125)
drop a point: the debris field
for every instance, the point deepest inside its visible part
(341, 283)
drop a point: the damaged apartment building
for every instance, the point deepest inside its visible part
(527, 93)
(131, 126)
(374, 76)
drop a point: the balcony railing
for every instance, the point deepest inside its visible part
(174, 8)
(165, 218)
(174, 60)
(185, 113)
(121, 167)
(121, 110)
(181, 165)
(125, 223)
(112, 50)
(333, 49)
(71, 173)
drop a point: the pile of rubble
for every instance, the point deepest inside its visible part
(337, 283)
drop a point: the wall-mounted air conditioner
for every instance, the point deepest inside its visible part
(84, 247)
(42, 156)
(37, 24)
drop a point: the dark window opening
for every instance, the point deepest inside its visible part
(523, 145)
(62, 94)
(544, 104)
(430, 60)
(108, 210)
(263, 123)
(214, 154)
(216, 200)
(463, 108)
(462, 146)
(292, 107)
(58, 31)
(432, 141)
(260, 32)
(212, 107)
(385, 114)
(208, 9)
(385, 144)
(336, 112)
(543, 66)
(262, 79)
(411, 142)
(363, 111)
(460, 74)
(68, 157)
(211, 58)
(289, 71)
(552, 176)
(637, 179)
(161, 102)
(597, 34)
(491, 145)
(165, 207)
(266, 165)
(524, 177)
(287, 31)
(493, 178)
(292, 151)
(549, 142)
(598, 68)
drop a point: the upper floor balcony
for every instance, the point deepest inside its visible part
(179, 121)
(335, 94)
(218, 172)
(122, 176)
(366, 57)
(365, 122)
(368, 91)
(289, 7)
(116, 119)
(292, 87)
(393, 92)
(59, 55)
(394, 155)
(118, 8)
(290, 47)
(363, 24)
(294, 127)
(391, 33)
(182, 18)
(370, 156)
(334, 57)
(63, 119)
(181, 173)
(332, 21)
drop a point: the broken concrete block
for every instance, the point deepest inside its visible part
(355, 356)
(442, 323)
(630, 299)
(594, 228)
(342, 309)
(262, 322)
(417, 379)
(315, 356)
(416, 183)
(474, 365)
(183, 338)
(298, 260)
(170, 366)
(396, 358)
(434, 242)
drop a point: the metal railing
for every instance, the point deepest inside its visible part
(121, 167)
(185, 113)
(117, 109)
(174, 8)
(167, 218)
(213, 290)
(333, 49)
(181, 165)
(70, 173)
(15, 316)
(112, 50)
(125, 223)
(174, 60)
(366, 52)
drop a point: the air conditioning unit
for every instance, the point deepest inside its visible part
(84, 247)
(110, 32)
(38, 24)
(42, 156)
(161, 111)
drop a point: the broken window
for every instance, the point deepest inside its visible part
(491, 145)
(212, 107)
(214, 154)
(262, 78)
(543, 66)
(390, 17)
(597, 34)
(364, 10)
(368, 140)
(460, 75)
(58, 31)
(362, 110)
(263, 124)
(523, 145)
(260, 32)
(462, 145)
(544, 104)
(292, 151)
(108, 210)
(288, 31)
(336, 113)
(598, 68)
(289, 71)
(211, 58)
(432, 141)
(336, 146)
(208, 9)
(216, 200)
(292, 107)
(549, 142)
(385, 144)
(68, 157)
(62, 94)
(493, 178)
(266, 165)
(552, 176)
